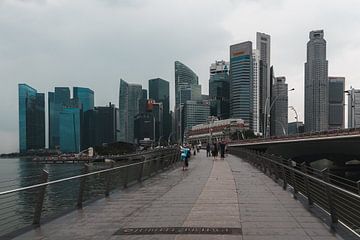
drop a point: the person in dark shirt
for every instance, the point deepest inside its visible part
(222, 149)
(208, 150)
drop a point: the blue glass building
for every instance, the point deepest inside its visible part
(31, 118)
(85, 98)
(70, 130)
(57, 100)
(241, 81)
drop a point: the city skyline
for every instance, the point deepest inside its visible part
(43, 73)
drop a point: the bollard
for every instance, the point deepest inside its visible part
(307, 184)
(108, 180)
(333, 214)
(82, 187)
(41, 196)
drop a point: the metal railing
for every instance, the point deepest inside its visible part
(337, 196)
(306, 135)
(28, 206)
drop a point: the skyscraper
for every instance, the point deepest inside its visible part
(255, 123)
(316, 84)
(263, 46)
(279, 110)
(70, 129)
(353, 108)
(336, 102)
(241, 81)
(219, 90)
(85, 98)
(31, 118)
(159, 91)
(129, 97)
(57, 101)
(186, 88)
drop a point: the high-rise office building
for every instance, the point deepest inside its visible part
(353, 108)
(159, 91)
(263, 44)
(70, 129)
(129, 97)
(316, 84)
(279, 110)
(255, 123)
(143, 101)
(102, 125)
(219, 90)
(31, 118)
(336, 102)
(85, 98)
(241, 81)
(195, 112)
(57, 100)
(186, 88)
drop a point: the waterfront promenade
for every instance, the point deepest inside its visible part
(229, 199)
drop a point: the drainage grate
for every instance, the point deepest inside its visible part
(178, 230)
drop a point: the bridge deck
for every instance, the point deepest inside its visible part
(229, 194)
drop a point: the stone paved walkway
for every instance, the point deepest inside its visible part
(228, 193)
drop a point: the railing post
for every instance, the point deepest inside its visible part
(41, 196)
(358, 186)
(307, 184)
(82, 187)
(293, 178)
(284, 176)
(141, 169)
(333, 214)
(108, 180)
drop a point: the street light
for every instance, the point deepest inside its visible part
(267, 111)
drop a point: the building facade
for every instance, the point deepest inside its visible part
(336, 103)
(295, 128)
(219, 90)
(187, 88)
(241, 81)
(255, 123)
(129, 97)
(84, 97)
(70, 130)
(31, 118)
(195, 112)
(263, 44)
(159, 91)
(353, 108)
(316, 84)
(57, 101)
(279, 110)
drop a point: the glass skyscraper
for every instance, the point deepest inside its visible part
(70, 130)
(241, 81)
(129, 97)
(219, 90)
(336, 102)
(31, 118)
(279, 110)
(159, 91)
(57, 100)
(85, 97)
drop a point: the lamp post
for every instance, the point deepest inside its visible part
(267, 111)
(296, 118)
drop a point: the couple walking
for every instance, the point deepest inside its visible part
(214, 148)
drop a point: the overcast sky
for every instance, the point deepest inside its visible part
(94, 43)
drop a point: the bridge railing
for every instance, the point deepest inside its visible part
(328, 133)
(340, 201)
(25, 207)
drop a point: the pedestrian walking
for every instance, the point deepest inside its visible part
(215, 151)
(222, 149)
(208, 150)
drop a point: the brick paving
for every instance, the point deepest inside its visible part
(221, 193)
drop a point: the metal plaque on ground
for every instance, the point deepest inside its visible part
(178, 230)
